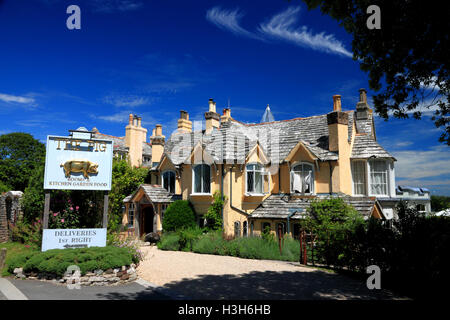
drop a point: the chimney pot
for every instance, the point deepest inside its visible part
(337, 102)
(158, 130)
(212, 105)
(362, 95)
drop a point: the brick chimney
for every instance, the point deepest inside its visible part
(135, 135)
(212, 117)
(226, 115)
(184, 125)
(362, 108)
(337, 125)
(157, 140)
(337, 102)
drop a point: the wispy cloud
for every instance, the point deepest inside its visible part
(127, 101)
(282, 26)
(229, 20)
(109, 6)
(8, 98)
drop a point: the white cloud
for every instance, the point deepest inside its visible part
(228, 20)
(108, 6)
(282, 26)
(16, 99)
(416, 164)
(126, 101)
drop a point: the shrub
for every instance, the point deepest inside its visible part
(56, 261)
(187, 236)
(129, 243)
(27, 233)
(169, 241)
(214, 214)
(178, 215)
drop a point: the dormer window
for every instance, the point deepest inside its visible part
(257, 182)
(168, 181)
(302, 178)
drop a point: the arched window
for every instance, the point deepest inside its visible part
(201, 179)
(245, 229)
(237, 229)
(168, 181)
(302, 178)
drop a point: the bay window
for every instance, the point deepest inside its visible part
(378, 177)
(302, 178)
(168, 181)
(202, 179)
(359, 177)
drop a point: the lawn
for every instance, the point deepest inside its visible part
(14, 249)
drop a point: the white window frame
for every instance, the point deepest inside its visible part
(263, 172)
(313, 191)
(174, 180)
(369, 178)
(193, 180)
(365, 178)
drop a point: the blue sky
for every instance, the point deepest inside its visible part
(154, 58)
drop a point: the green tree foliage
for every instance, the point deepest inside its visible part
(33, 197)
(178, 214)
(407, 59)
(20, 154)
(214, 214)
(439, 203)
(125, 180)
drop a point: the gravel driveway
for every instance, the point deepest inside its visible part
(204, 276)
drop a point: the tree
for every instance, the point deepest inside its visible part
(20, 154)
(439, 203)
(406, 59)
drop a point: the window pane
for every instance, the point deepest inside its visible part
(197, 179)
(206, 179)
(378, 177)
(250, 177)
(258, 182)
(172, 182)
(359, 177)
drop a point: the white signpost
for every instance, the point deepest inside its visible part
(73, 238)
(76, 162)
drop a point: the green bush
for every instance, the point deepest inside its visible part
(56, 261)
(179, 214)
(27, 233)
(187, 236)
(169, 241)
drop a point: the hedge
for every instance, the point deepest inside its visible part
(56, 261)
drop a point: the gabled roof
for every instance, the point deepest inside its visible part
(154, 193)
(279, 206)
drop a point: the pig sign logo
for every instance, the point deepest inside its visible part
(78, 162)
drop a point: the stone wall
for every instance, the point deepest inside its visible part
(3, 220)
(10, 210)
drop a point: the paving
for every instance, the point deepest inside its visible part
(43, 290)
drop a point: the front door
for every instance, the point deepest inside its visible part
(148, 216)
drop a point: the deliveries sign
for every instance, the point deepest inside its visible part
(73, 238)
(76, 163)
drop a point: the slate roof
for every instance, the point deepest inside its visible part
(312, 131)
(279, 206)
(365, 147)
(155, 193)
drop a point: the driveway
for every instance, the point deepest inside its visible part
(203, 276)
